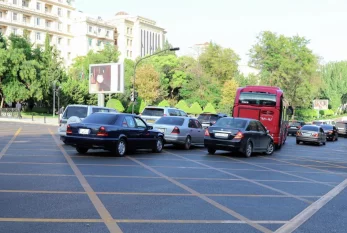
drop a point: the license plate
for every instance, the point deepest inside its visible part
(293, 127)
(83, 131)
(307, 134)
(161, 130)
(221, 135)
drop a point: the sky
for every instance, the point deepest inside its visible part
(236, 23)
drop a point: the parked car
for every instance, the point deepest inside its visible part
(116, 132)
(152, 114)
(294, 126)
(76, 113)
(208, 119)
(184, 131)
(238, 135)
(330, 132)
(341, 128)
(321, 122)
(311, 134)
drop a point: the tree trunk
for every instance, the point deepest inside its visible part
(2, 101)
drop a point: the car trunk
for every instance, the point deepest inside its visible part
(165, 129)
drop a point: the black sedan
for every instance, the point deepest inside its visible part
(238, 135)
(115, 132)
(331, 132)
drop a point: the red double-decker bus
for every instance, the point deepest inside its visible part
(266, 104)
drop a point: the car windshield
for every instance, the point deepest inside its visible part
(153, 112)
(231, 123)
(208, 117)
(99, 118)
(170, 121)
(310, 128)
(77, 111)
(257, 98)
(327, 127)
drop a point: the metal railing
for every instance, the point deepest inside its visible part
(9, 112)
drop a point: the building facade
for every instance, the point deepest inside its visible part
(136, 36)
(37, 19)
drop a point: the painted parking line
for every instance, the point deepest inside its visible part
(306, 214)
(99, 206)
(3, 151)
(251, 181)
(205, 198)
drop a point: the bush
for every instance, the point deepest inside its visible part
(164, 103)
(327, 112)
(209, 108)
(306, 114)
(182, 105)
(115, 104)
(139, 106)
(195, 109)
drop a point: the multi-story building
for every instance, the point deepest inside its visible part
(91, 34)
(38, 18)
(136, 36)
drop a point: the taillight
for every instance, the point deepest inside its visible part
(315, 135)
(239, 135)
(213, 122)
(68, 129)
(176, 130)
(164, 115)
(102, 132)
(207, 133)
(330, 132)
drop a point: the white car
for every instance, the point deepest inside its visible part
(76, 113)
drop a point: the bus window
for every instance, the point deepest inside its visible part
(257, 98)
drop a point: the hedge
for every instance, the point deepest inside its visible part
(115, 104)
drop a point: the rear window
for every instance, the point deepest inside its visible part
(257, 98)
(101, 110)
(170, 121)
(310, 128)
(99, 118)
(341, 124)
(295, 124)
(327, 127)
(77, 111)
(231, 123)
(153, 112)
(317, 122)
(208, 117)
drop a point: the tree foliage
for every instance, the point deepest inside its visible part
(115, 104)
(147, 83)
(182, 105)
(164, 103)
(228, 96)
(195, 109)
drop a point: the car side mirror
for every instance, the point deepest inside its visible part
(267, 131)
(149, 127)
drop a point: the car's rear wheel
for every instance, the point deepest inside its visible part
(159, 145)
(81, 150)
(121, 148)
(187, 143)
(211, 150)
(270, 148)
(248, 150)
(323, 143)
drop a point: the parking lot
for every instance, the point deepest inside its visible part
(46, 186)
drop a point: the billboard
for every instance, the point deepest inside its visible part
(320, 104)
(106, 78)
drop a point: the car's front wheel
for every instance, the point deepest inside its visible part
(81, 150)
(211, 151)
(158, 146)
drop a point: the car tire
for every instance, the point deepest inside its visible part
(297, 142)
(270, 148)
(336, 138)
(248, 149)
(82, 150)
(121, 148)
(323, 143)
(158, 145)
(187, 143)
(211, 150)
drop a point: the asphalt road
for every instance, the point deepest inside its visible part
(47, 187)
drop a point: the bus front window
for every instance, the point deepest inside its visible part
(257, 98)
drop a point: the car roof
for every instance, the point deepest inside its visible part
(82, 105)
(242, 118)
(318, 126)
(114, 113)
(161, 107)
(188, 117)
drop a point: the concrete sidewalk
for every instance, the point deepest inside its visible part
(35, 120)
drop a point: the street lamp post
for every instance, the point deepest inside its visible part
(54, 85)
(133, 91)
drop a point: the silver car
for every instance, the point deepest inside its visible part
(152, 114)
(181, 131)
(311, 134)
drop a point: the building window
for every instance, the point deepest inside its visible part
(0, 14)
(68, 42)
(59, 26)
(59, 11)
(99, 30)
(14, 2)
(69, 14)
(25, 3)
(90, 28)
(131, 31)
(90, 41)
(99, 43)
(14, 16)
(131, 53)
(127, 53)
(14, 31)
(38, 36)
(107, 33)
(38, 6)
(37, 21)
(68, 55)
(127, 30)
(68, 28)
(59, 40)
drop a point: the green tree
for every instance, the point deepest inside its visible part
(164, 103)
(115, 104)
(182, 105)
(147, 83)
(209, 108)
(288, 63)
(195, 109)
(228, 96)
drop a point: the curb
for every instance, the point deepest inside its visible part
(24, 121)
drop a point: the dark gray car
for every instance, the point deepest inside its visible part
(311, 134)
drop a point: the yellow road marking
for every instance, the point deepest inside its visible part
(3, 151)
(205, 198)
(99, 206)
